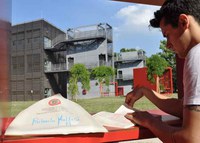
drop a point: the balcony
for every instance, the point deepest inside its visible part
(49, 67)
(121, 59)
(124, 77)
(101, 30)
(85, 35)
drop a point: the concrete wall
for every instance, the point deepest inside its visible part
(127, 69)
(90, 58)
(94, 91)
(128, 55)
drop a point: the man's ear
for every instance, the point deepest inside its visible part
(183, 21)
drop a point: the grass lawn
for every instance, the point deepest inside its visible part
(91, 105)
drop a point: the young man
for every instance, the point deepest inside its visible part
(179, 21)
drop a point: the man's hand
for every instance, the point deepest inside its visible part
(133, 96)
(142, 118)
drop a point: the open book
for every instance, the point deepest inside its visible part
(57, 115)
(116, 119)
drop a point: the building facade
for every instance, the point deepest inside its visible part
(89, 45)
(27, 56)
(42, 55)
(125, 62)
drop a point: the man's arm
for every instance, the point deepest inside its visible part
(160, 129)
(169, 105)
(188, 133)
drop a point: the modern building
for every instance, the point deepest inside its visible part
(42, 55)
(125, 62)
(28, 81)
(89, 45)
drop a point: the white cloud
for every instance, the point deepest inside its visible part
(135, 18)
(133, 30)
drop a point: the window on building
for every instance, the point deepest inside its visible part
(33, 86)
(29, 63)
(36, 39)
(14, 42)
(20, 85)
(33, 63)
(36, 32)
(120, 76)
(20, 45)
(17, 65)
(70, 62)
(47, 42)
(21, 65)
(37, 85)
(36, 63)
(29, 40)
(14, 65)
(20, 36)
(102, 59)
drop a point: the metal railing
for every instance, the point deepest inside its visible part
(119, 58)
(86, 34)
(58, 39)
(55, 67)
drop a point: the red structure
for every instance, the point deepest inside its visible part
(140, 79)
(120, 90)
(105, 93)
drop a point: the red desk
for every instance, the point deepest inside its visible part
(113, 135)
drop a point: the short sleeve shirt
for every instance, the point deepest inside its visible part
(191, 77)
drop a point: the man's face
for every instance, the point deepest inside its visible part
(175, 38)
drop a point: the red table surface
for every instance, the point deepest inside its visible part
(113, 134)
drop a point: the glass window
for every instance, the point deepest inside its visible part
(47, 42)
(33, 63)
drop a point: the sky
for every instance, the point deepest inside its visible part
(130, 22)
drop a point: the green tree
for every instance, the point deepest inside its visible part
(156, 67)
(103, 74)
(78, 72)
(127, 50)
(169, 56)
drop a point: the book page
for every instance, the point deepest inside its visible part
(116, 119)
(124, 109)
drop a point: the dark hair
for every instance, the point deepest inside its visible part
(171, 10)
